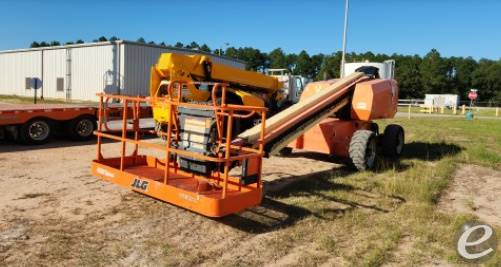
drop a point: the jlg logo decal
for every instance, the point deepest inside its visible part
(139, 184)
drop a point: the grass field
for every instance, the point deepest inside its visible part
(394, 208)
(389, 217)
(369, 218)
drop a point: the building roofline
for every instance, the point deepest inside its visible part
(57, 47)
(116, 42)
(181, 49)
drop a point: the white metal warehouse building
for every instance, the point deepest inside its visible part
(78, 72)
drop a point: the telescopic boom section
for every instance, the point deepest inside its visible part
(300, 117)
(193, 68)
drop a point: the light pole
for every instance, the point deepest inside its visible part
(345, 30)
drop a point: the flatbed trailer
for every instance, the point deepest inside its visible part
(37, 123)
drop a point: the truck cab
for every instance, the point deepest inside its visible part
(386, 69)
(293, 85)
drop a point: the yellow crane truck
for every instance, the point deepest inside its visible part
(247, 88)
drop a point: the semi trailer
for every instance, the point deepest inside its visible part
(35, 124)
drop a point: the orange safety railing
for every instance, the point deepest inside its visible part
(113, 112)
(226, 154)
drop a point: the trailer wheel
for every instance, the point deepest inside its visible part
(393, 140)
(81, 128)
(363, 149)
(35, 131)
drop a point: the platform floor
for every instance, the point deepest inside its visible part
(181, 181)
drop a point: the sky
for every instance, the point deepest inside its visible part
(454, 28)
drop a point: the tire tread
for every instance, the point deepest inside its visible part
(358, 147)
(389, 140)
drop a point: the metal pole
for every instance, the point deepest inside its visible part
(345, 30)
(68, 74)
(41, 85)
(34, 81)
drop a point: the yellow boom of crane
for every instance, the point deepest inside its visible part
(245, 87)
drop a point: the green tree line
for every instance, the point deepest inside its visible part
(416, 75)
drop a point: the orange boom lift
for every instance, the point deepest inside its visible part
(213, 194)
(205, 140)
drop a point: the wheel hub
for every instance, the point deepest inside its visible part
(38, 130)
(84, 128)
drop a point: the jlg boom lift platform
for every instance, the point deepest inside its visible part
(206, 137)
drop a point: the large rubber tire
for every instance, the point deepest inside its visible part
(35, 132)
(81, 128)
(284, 152)
(363, 150)
(393, 140)
(375, 128)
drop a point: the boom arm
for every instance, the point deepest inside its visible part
(188, 68)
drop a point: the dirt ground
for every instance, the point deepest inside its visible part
(475, 190)
(53, 211)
